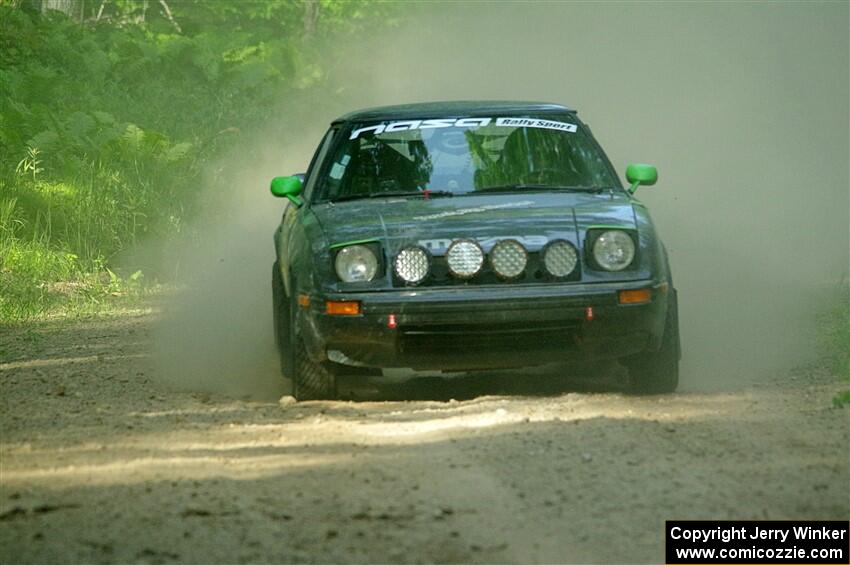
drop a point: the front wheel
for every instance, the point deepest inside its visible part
(658, 372)
(310, 380)
(281, 316)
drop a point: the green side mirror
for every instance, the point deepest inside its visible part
(638, 174)
(287, 187)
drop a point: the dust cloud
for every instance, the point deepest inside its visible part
(216, 332)
(743, 108)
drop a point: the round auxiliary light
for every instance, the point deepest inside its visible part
(560, 258)
(465, 258)
(508, 258)
(614, 250)
(411, 264)
(356, 263)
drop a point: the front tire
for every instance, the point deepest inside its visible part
(281, 316)
(311, 380)
(657, 372)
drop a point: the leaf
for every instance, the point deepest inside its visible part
(79, 125)
(134, 136)
(44, 140)
(177, 152)
(20, 108)
(103, 117)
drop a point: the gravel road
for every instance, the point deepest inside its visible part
(101, 463)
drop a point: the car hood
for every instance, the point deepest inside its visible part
(532, 218)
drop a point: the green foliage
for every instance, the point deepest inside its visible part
(30, 164)
(39, 276)
(834, 326)
(106, 124)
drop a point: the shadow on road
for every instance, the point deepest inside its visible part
(550, 380)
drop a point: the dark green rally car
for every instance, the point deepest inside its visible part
(460, 236)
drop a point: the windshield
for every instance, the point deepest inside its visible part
(464, 156)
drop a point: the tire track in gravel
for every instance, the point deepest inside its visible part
(102, 463)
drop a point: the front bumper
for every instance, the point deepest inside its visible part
(478, 327)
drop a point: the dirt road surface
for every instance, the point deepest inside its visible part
(101, 463)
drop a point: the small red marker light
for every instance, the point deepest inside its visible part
(588, 313)
(391, 322)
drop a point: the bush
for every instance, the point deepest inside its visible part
(106, 123)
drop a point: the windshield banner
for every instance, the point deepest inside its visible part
(409, 125)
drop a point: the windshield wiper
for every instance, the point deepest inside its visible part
(548, 187)
(395, 193)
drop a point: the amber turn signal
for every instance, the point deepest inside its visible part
(638, 296)
(342, 308)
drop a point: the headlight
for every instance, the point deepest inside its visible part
(356, 263)
(411, 264)
(465, 258)
(614, 250)
(560, 258)
(508, 258)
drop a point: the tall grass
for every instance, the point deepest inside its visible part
(52, 250)
(834, 329)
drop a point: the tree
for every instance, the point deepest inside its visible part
(71, 8)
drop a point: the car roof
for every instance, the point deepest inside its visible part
(452, 109)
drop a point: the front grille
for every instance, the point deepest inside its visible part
(471, 338)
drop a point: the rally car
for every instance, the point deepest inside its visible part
(461, 236)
